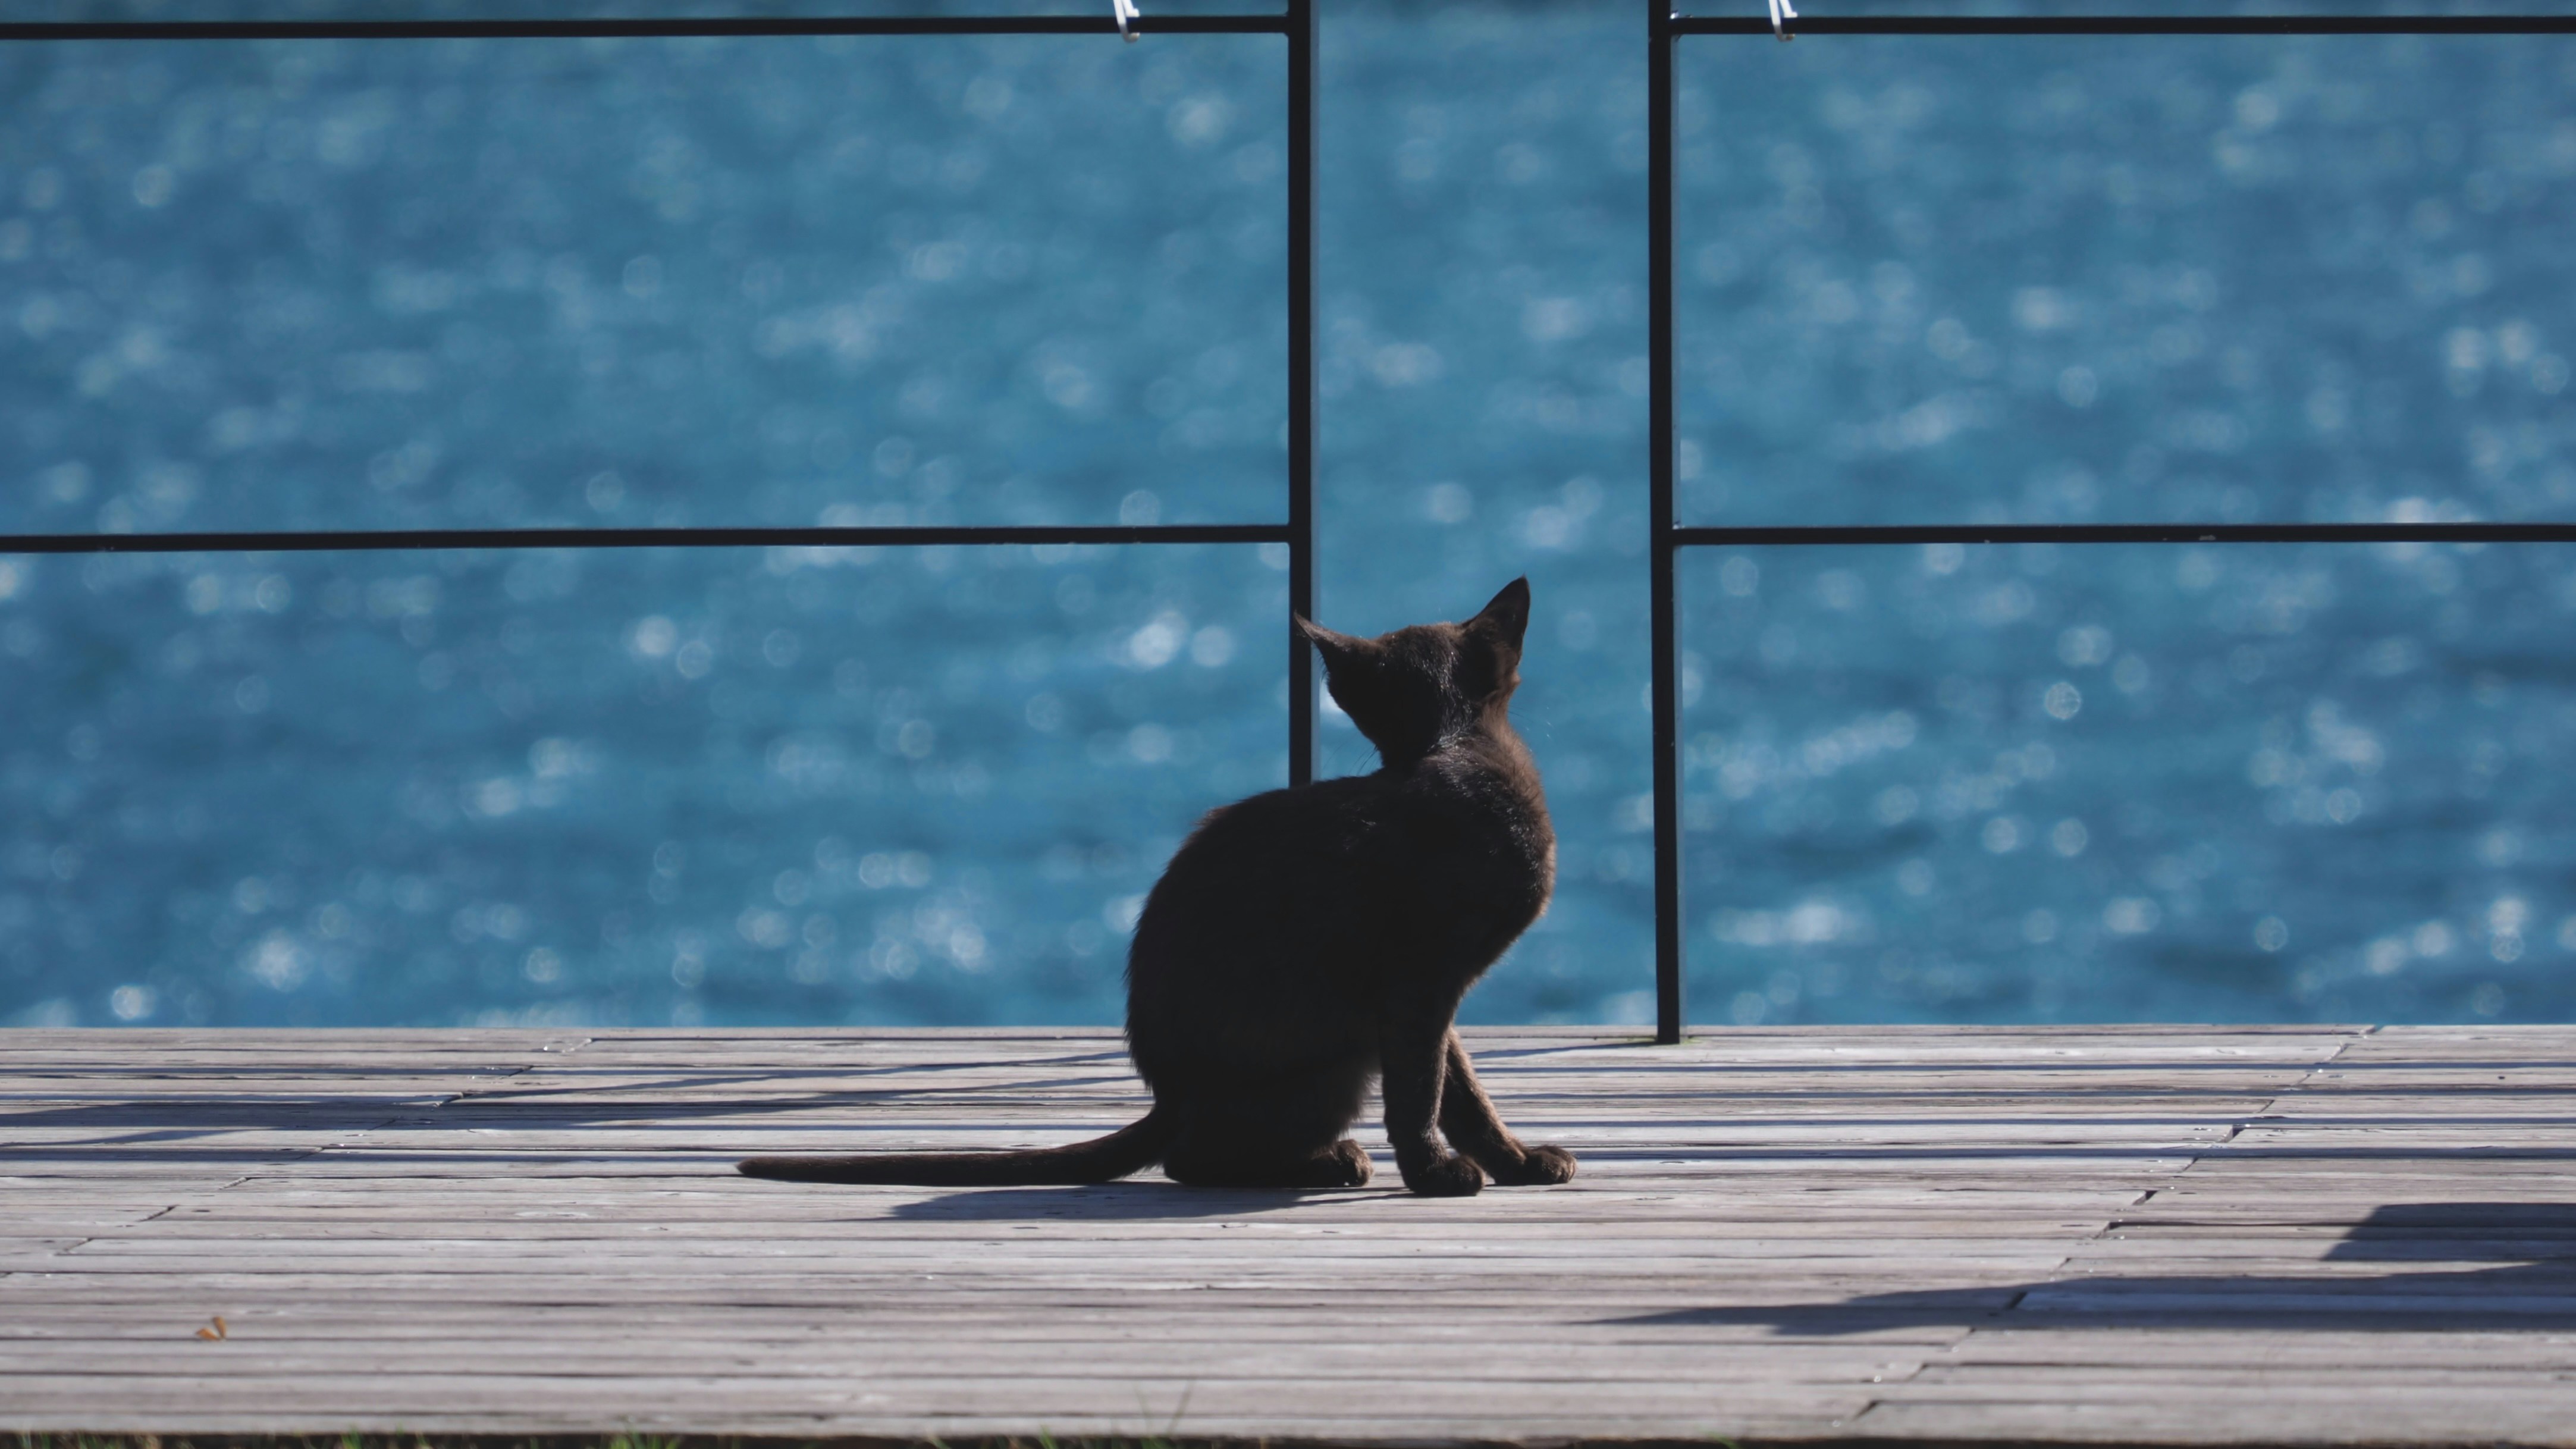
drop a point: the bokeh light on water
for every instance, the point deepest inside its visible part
(1017, 280)
(421, 284)
(716, 786)
(2047, 279)
(2122, 782)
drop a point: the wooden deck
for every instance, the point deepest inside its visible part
(2127, 1234)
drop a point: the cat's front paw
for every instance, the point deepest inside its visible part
(1539, 1167)
(1344, 1164)
(1450, 1176)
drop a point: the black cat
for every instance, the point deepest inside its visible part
(1305, 940)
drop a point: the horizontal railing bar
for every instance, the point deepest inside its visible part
(1713, 537)
(739, 27)
(374, 540)
(2132, 25)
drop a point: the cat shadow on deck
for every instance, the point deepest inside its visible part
(1306, 942)
(1109, 1202)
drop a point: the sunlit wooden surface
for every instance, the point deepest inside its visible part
(2137, 1234)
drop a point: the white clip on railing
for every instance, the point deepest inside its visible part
(1782, 12)
(1126, 11)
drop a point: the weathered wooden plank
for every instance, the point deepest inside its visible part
(2312, 1346)
(2405, 1417)
(1717, 1411)
(890, 1235)
(402, 1323)
(253, 1350)
(396, 1391)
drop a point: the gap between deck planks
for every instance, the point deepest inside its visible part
(2154, 1235)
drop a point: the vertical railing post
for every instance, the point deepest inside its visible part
(1301, 384)
(1661, 547)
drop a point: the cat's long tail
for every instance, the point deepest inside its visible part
(1130, 1148)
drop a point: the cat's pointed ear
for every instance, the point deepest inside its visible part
(1507, 616)
(1334, 647)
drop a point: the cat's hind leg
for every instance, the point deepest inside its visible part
(1225, 1164)
(1473, 1127)
(1289, 1136)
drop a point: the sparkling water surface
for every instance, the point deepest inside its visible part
(929, 280)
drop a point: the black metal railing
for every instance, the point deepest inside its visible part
(1664, 29)
(1296, 23)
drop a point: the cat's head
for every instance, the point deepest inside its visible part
(1412, 689)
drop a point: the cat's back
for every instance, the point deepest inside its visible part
(1479, 818)
(1336, 865)
(1273, 858)
(1256, 940)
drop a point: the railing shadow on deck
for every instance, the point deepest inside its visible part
(561, 1109)
(564, 1101)
(2534, 1288)
(193, 1126)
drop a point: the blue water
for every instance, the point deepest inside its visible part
(945, 280)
